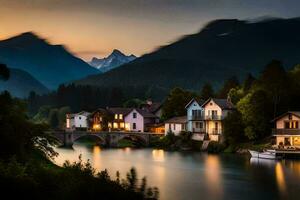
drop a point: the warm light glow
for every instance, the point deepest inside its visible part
(116, 125)
(116, 116)
(122, 125)
(68, 123)
(127, 126)
(120, 116)
(213, 176)
(96, 126)
(109, 125)
(280, 177)
(158, 155)
(96, 157)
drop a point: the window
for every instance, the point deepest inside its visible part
(182, 126)
(134, 115)
(174, 126)
(134, 126)
(216, 125)
(201, 125)
(116, 116)
(79, 117)
(214, 112)
(122, 125)
(291, 124)
(120, 116)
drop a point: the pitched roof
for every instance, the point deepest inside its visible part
(200, 102)
(297, 113)
(118, 110)
(145, 113)
(84, 113)
(177, 120)
(155, 106)
(224, 104)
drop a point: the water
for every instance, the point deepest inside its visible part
(189, 176)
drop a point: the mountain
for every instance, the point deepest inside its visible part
(114, 60)
(50, 64)
(222, 48)
(21, 83)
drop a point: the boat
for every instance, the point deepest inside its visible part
(268, 154)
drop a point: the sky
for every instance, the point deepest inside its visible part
(91, 28)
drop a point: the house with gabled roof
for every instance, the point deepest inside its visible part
(175, 125)
(215, 110)
(118, 118)
(287, 130)
(138, 120)
(195, 116)
(81, 120)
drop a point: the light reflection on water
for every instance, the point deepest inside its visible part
(196, 175)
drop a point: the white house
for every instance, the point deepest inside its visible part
(195, 116)
(215, 111)
(175, 125)
(137, 120)
(81, 120)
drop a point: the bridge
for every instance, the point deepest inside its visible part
(110, 139)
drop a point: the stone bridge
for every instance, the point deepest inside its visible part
(109, 139)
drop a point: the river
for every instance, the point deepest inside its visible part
(194, 175)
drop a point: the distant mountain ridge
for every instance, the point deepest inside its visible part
(221, 49)
(52, 65)
(114, 60)
(21, 83)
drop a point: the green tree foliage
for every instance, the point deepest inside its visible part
(4, 72)
(234, 128)
(207, 91)
(230, 83)
(256, 110)
(176, 102)
(61, 115)
(133, 103)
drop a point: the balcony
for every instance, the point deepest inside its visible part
(197, 117)
(284, 131)
(198, 130)
(214, 117)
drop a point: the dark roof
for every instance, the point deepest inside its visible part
(118, 110)
(155, 106)
(177, 120)
(297, 113)
(200, 102)
(224, 104)
(84, 113)
(145, 113)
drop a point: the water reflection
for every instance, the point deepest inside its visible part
(280, 178)
(158, 155)
(213, 177)
(96, 157)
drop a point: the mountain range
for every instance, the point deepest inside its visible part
(114, 60)
(221, 49)
(21, 83)
(51, 65)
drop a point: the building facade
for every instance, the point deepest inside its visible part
(287, 130)
(81, 120)
(176, 125)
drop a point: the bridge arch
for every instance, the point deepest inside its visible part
(98, 138)
(138, 139)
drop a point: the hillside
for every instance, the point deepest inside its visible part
(221, 49)
(50, 64)
(21, 83)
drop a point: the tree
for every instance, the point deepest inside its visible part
(175, 103)
(53, 118)
(248, 82)
(61, 115)
(275, 82)
(234, 128)
(230, 83)
(207, 91)
(256, 110)
(4, 72)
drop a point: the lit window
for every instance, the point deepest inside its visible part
(116, 125)
(116, 116)
(120, 116)
(122, 125)
(109, 125)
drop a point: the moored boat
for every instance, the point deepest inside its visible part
(269, 154)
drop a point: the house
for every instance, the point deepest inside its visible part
(175, 125)
(81, 120)
(98, 120)
(117, 123)
(138, 120)
(287, 130)
(215, 110)
(70, 122)
(152, 107)
(158, 128)
(195, 117)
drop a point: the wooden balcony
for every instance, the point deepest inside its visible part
(197, 117)
(284, 131)
(214, 117)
